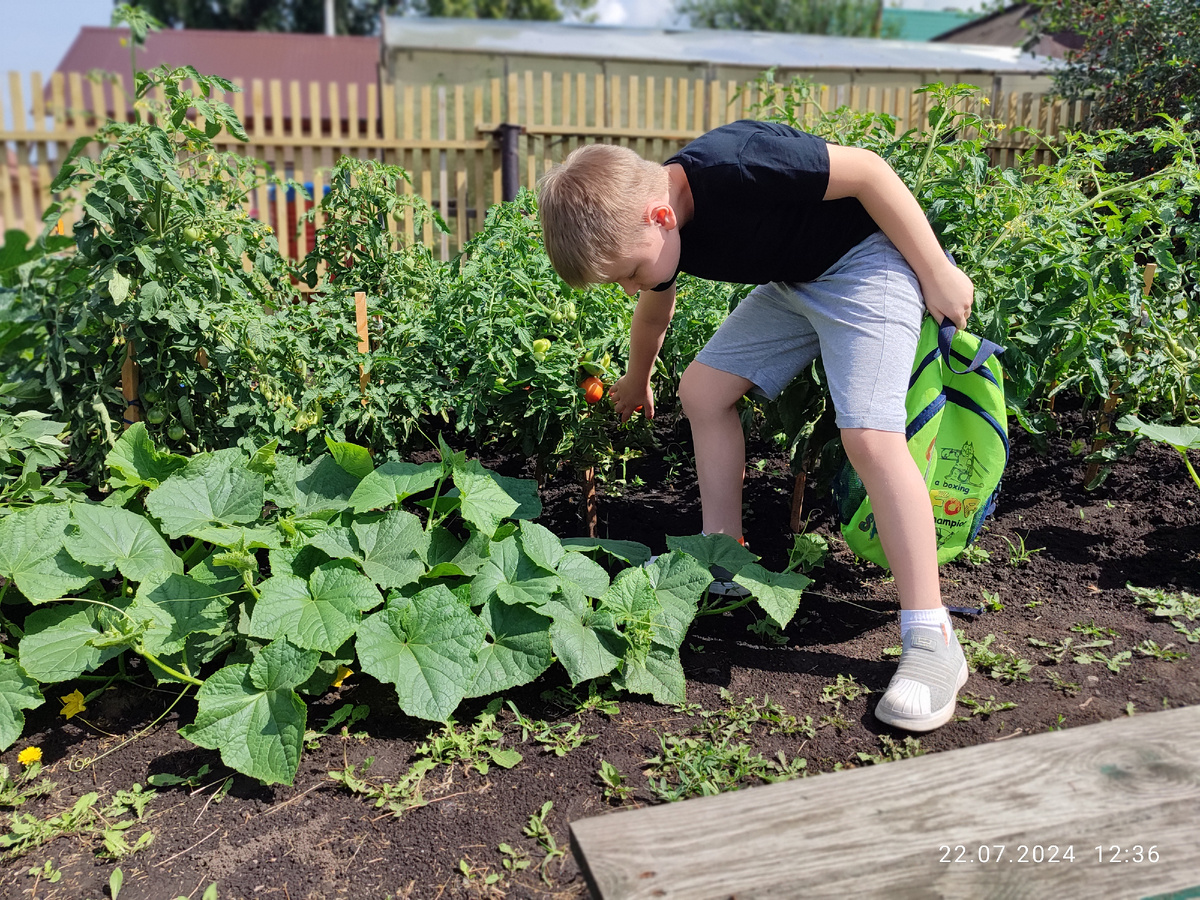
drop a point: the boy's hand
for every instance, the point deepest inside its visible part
(949, 295)
(628, 396)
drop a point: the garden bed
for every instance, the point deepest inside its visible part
(316, 839)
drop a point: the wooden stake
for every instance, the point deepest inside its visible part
(797, 519)
(589, 500)
(129, 387)
(364, 339)
(1104, 426)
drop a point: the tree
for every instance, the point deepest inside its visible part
(306, 16)
(1138, 57)
(353, 16)
(849, 18)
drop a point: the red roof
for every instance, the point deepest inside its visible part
(242, 56)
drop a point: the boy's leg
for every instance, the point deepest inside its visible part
(922, 693)
(868, 311)
(709, 398)
(903, 513)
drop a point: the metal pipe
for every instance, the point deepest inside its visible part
(510, 162)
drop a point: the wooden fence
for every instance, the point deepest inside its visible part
(445, 136)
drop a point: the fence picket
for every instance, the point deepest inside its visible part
(395, 123)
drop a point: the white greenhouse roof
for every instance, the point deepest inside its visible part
(700, 46)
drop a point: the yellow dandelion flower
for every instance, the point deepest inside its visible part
(72, 704)
(29, 756)
(342, 674)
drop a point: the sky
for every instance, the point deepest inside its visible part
(37, 34)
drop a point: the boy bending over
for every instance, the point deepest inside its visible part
(845, 265)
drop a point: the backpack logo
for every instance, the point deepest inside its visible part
(966, 470)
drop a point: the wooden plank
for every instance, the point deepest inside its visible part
(279, 168)
(480, 202)
(301, 167)
(580, 99)
(24, 180)
(527, 143)
(7, 206)
(548, 105)
(461, 167)
(443, 174)
(425, 164)
(319, 163)
(43, 146)
(496, 116)
(894, 830)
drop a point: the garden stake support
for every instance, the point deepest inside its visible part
(589, 500)
(796, 522)
(364, 340)
(1104, 426)
(129, 387)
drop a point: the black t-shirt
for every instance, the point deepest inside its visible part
(760, 216)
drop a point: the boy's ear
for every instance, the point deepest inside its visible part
(661, 214)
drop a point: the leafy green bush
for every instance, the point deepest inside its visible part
(1137, 59)
(159, 264)
(257, 579)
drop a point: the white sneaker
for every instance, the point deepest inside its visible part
(922, 694)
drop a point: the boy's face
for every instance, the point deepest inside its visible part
(654, 257)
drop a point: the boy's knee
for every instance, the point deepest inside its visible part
(690, 392)
(695, 395)
(868, 448)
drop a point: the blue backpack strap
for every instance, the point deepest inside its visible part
(986, 349)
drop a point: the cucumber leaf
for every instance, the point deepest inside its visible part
(427, 646)
(252, 714)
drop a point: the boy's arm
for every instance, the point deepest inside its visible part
(651, 317)
(859, 173)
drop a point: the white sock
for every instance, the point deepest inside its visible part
(929, 618)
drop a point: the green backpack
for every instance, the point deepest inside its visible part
(957, 433)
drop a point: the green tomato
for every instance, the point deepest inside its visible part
(193, 235)
(151, 396)
(176, 432)
(538, 357)
(156, 416)
(571, 313)
(556, 317)
(542, 346)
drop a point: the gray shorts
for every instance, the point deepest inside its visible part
(862, 317)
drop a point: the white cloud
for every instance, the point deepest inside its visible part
(635, 13)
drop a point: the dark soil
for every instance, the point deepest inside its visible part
(317, 840)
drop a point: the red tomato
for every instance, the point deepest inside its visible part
(593, 388)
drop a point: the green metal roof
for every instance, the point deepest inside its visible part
(921, 24)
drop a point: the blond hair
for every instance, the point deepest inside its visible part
(591, 208)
